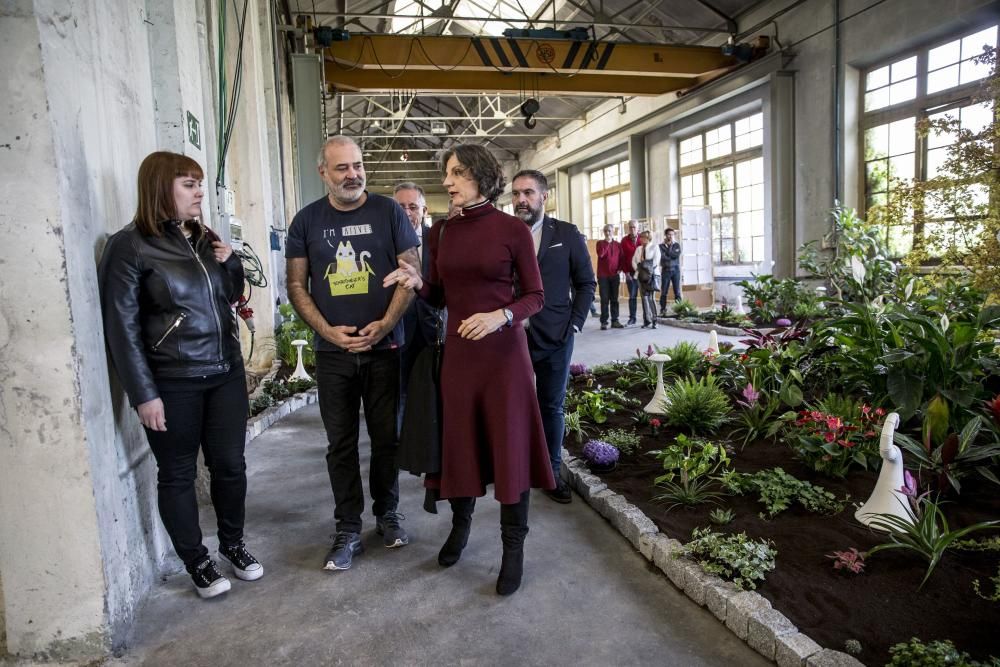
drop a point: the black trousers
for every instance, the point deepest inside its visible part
(210, 413)
(609, 296)
(670, 277)
(347, 381)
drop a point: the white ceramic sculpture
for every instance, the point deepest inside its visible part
(886, 498)
(713, 341)
(739, 310)
(300, 370)
(656, 404)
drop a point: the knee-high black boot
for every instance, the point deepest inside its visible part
(513, 530)
(461, 524)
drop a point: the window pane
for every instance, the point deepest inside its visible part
(935, 161)
(902, 91)
(946, 54)
(611, 176)
(749, 132)
(758, 249)
(757, 223)
(596, 181)
(976, 117)
(596, 207)
(876, 176)
(938, 137)
(743, 199)
(688, 145)
(902, 136)
(720, 179)
(691, 151)
(726, 226)
(727, 250)
(900, 240)
(624, 177)
(718, 142)
(877, 99)
(973, 71)
(942, 79)
(877, 142)
(904, 69)
(974, 43)
(877, 78)
(612, 203)
(757, 197)
(901, 168)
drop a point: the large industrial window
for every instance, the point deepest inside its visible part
(724, 169)
(928, 84)
(610, 198)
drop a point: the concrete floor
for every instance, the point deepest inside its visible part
(587, 597)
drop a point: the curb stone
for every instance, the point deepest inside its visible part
(746, 613)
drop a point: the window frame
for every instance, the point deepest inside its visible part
(622, 189)
(921, 107)
(708, 165)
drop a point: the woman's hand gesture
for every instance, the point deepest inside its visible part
(406, 275)
(480, 325)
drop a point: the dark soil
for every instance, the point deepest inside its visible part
(879, 607)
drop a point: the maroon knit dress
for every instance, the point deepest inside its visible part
(492, 429)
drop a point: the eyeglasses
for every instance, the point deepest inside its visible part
(413, 207)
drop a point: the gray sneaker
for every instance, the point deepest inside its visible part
(392, 533)
(345, 547)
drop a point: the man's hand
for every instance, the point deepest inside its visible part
(370, 335)
(341, 337)
(151, 415)
(407, 275)
(480, 325)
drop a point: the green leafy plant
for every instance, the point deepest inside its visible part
(927, 533)
(293, 328)
(737, 558)
(995, 581)
(576, 427)
(595, 405)
(777, 490)
(721, 517)
(691, 462)
(684, 308)
(699, 406)
(755, 417)
(273, 391)
(770, 298)
(685, 358)
(916, 653)
(627, 441)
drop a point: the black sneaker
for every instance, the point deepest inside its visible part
(560, 494)
(604, 327)
(208, 581)
(392, 533)
(617, 325)
(345, 547)
(244, 564)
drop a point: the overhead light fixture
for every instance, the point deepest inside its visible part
(508, 122)
(439, 127)
(480, 132)
(404, 156)
(376, 124)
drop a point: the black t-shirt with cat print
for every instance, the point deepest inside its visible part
(349, 254)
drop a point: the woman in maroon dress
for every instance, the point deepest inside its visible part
(492, 429)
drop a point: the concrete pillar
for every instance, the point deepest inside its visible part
(637, 174)
(564, 209)
(779, 140)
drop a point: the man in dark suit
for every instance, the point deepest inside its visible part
(568, 279)
(420, 321)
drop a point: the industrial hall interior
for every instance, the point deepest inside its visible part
(500, 332)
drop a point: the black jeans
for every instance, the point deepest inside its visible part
(346, 381)
(210, 412)
(670, 277)
(609, 296)
(551, 373)
(633, 293)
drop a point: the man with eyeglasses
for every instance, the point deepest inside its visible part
(421, 322)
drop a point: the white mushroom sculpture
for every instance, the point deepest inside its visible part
(887, 498)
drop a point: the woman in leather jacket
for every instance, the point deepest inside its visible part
(167, 283)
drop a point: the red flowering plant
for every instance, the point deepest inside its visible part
(654, 426)
(850, 561)
(835, 436)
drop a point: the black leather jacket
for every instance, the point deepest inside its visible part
(167, 308)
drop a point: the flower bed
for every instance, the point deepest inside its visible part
(873, 610)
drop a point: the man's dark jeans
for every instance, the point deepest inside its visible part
(208, 413)
(551, 373)
(633, 294)
(670, 277)
(346, 381)
(609, 296)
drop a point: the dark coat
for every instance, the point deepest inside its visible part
(422, 321)
(569, 283)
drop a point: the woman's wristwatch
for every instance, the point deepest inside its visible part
(509, 314)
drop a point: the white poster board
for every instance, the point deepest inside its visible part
(696, 246)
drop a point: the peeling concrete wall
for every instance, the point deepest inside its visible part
(881, 32)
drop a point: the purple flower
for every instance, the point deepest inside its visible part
(578, 369)
(909, 485)
(600, 453)
(750, 396)
(650, 351)
(783, 322)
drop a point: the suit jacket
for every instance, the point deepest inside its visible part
(420, 321)
(568, 279)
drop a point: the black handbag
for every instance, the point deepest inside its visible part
(420, 434)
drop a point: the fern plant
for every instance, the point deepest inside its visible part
(684, 359)
(698, 406)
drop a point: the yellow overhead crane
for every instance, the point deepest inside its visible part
(518, 65)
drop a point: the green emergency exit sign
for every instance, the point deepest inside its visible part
(193, 130)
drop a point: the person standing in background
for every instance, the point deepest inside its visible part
(670, 269)
(609, 265)
(568, 281)
(629, 244)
